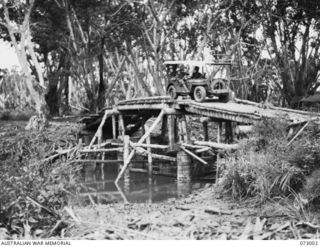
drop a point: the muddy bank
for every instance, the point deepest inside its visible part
(202, 215)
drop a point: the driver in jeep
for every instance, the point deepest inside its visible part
(196, 74)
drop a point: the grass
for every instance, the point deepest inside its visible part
(33, 193)
(265, 167)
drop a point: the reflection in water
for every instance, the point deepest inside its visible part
(98, 186)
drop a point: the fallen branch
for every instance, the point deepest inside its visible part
(299, 132)
(304, 223)
(206, 210)
(43, 207)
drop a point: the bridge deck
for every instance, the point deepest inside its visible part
(238, 111)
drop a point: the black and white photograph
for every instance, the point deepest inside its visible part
(159, 120)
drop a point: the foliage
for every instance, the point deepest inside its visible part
(274, 45)
(265, 167)
(13, 92)
(34, 193)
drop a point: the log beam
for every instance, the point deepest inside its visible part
(222, 146)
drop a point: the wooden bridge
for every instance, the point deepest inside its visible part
(127, 117)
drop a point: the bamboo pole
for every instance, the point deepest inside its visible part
(193, 155)
(142, 139)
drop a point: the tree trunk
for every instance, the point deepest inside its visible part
(102, 87)
(52, 97)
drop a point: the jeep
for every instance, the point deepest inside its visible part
(185, 79)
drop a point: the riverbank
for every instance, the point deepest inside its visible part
(204, 214)
(207, 213)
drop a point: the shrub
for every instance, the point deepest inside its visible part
(265, 167)
(33, 192)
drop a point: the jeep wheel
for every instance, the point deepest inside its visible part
(199, 94)
(172, 92)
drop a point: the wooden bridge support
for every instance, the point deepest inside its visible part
(142, 139)
(114, 134)
(121, 127)
(219, 130)
(184, 129)
(184, 188)
(171, 121)
(205, 122)
(183, 166)
(228, 132)
(148, 142)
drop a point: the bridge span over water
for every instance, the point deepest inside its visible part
(117, 128)
(241, 111)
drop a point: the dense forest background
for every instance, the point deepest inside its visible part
(85, 54)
